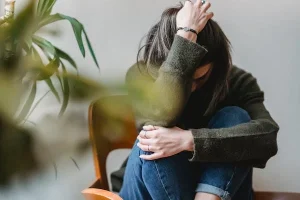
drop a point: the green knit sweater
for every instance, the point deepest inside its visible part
(160, 94)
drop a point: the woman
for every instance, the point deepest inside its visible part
(203, 125)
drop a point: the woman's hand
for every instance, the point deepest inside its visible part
(164, 142)
(194, 15)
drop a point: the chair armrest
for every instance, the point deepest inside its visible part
(98, 194)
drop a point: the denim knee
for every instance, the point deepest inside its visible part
(228, 117)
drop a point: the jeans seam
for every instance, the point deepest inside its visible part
(161, 180)
(227, 186)
(134, 168)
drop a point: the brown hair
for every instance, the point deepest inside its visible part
(161, 36)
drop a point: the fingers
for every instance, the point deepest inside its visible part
(153, 156)
(188, 2)
(205, 6)
(148, 134)
(143, 134)
(149, 128)
(209, 15)
(144, 141)
(198, 3)
(145, 147)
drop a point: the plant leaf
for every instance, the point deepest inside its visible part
(44, 44)
(44, 7)
(52, 68)
(36, 56)
(60, 81)
(28, 103)
(31, 122)
(49, 20)
(27, 44)
(64, 55)
(90, 48)
(43, 72)
(78, 29)
(34, 107)
(21, 27)
(76, 25)
(47, 71)
(53, 65)
(52, 88)
(66, 91)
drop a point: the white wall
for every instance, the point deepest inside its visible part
(265, 38)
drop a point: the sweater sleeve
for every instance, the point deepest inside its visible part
(253, 142)
(160, 101)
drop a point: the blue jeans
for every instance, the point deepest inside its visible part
(176, 178)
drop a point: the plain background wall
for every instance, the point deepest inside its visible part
(265, 40)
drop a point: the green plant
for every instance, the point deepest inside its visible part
(25, 52)
(27, 59)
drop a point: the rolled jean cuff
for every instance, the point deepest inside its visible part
(205, 188)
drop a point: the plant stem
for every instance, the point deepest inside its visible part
(9, 10)
(9, 49)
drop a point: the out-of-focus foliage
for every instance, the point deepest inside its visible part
(31, 58)
(25, 60)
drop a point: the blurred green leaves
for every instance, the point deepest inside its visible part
(44, 7)
(28, 104)
(26, 59)
(37, 58)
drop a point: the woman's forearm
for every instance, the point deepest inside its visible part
(188, 140)
(187, 35)
(160, 100)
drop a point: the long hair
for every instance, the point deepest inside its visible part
(161, 36)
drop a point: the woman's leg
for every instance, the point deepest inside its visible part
(175, 178)
(163, 179)
(133, 186)
(225, 180)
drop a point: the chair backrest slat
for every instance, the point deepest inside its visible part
(111, 126)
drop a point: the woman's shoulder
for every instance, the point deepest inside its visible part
(237, 73)
(241, 79)
(237, 70)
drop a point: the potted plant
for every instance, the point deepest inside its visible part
(26, 59)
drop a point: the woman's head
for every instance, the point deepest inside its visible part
(214, 67)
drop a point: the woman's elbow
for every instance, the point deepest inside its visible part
(273, 143)
(269, 144)
(271, 148)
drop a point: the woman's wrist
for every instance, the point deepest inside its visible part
(187, 35)
(188, 141)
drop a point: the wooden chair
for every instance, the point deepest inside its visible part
(111, 126)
